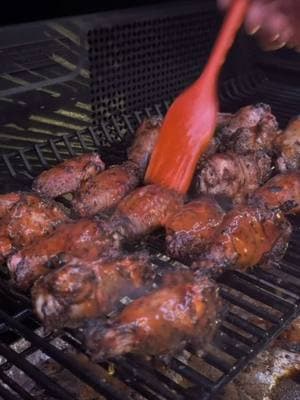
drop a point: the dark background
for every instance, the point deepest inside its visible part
(16, 12)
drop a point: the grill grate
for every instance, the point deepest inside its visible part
(260, 305)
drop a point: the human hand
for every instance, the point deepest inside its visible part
(276, 23)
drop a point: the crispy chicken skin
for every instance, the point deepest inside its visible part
(282, 191)
(141, 149)
(161, 322)
(288, 147)
(232, 175)
(7, 201)
(68, 175)
(104, 190)
(247, 236)
(84, 238)
(29, 219)
(83, 289)
(144, 210)
(190, 228)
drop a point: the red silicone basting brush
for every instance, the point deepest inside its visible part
(191, 120)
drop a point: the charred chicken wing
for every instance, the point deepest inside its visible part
(106, 189)
(247, 236)
(143, 144)
(232, 175)
(190, 228)
(282, 191)
(84, 238)
(144, 210)
(67, 176)
(29, 219)
(158, 323)
(258, 117)
(288, 147)
(83, 289)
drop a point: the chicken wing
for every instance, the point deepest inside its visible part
(190, 228)
(7, 201)
(258, 116)
(29, 219)
(282, 191)
(232, 175)
(67, 176)
(288, 147)
(84, 238)
(161, 322)
(141, 149)
(106, 189)
(144, 210)
(82, 289)
(247, 236)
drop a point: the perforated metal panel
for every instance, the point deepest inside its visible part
(139, 63)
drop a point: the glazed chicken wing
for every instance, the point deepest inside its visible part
(288, 147)
(258, 117)
(106, 189)
(232, 175)
(161, 322)
(144, 141)
(190, 228)
(67, 176)
(247, 236)
(282, 191)
(84, 238)
(144, 210)
(82, 289)
(7, 201)
(29, 219)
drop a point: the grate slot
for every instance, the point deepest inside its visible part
(289, 287)
(245, 325)
(248, 307)
(55, 151)
(47, 383)
(217, 362)
(7, 395)
(68, 145)
(190, 374)
(42, 159)
(147, 378)
(239, 282)
(64, 359)
(14, 386)
(236, 336)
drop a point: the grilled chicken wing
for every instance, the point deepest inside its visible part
(67, 176)
(288, 147)
(258, 117)
(282, 191)
(232, 175)
(158, 323)
(29, 219)
(190, 228)
(84, 238)
(106, 189)
(144, 142)
(247, 236)
(82, 289)
(7, 201)
(144, 210)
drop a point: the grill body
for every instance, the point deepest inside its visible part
(85, 83)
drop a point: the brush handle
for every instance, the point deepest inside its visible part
(225, 39)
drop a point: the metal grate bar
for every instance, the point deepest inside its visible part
(190, 374)
(236, 336)
(6, 394)
(15, 386)
(246, 325)
(238, 282)
(217, 362)
(248, 307)
(47, 383)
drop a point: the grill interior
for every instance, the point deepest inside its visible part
(90, 82)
